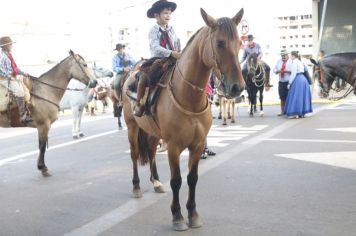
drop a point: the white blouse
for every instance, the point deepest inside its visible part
(297, 67)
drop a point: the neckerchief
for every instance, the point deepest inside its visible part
(15, 69)
(166, 40)
(283, 69)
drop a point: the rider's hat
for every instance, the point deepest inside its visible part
(6, 40)
(158, 6)
(250, 37)
(283, 52)
(119, 46)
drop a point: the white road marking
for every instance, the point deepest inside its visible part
(344, 129)
(338, 159)
(26, 154)
(310, 140)
(14, 132)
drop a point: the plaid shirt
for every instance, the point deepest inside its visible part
(155, 37)
(5, 66)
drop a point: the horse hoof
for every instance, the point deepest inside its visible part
(159, 189)
(45, 172)
(81, 135)
(195, 222)
(75, 137)
(219, 117)
(232, 121)
(179, 225)
(224, 123)
(136, 193)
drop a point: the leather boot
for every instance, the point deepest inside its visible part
(24, 118)
(141, 88)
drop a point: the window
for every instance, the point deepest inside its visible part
(303, 46)
(306, 26)
(293, 27)
(310, 45)
(303, 36)
(291, 37)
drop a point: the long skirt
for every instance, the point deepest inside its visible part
(299, 99)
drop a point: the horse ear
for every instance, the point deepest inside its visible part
(314, 62)
(237, 18)
(71, 52)
(209, 21)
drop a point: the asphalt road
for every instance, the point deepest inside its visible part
(271, 176)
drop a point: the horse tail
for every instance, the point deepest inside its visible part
(143, 147)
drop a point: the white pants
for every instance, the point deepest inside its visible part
(15, 86)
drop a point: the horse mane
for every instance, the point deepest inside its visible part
(192, 38)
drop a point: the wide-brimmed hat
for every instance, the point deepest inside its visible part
(158, 6)
(283, 52)
(6, 40)
(250, 36)
(119, 46)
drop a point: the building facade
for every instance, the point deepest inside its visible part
(295, 33)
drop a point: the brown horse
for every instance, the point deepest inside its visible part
(182, 115)
(46, 93)
(342, 65)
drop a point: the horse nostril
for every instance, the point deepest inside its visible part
(235, 89)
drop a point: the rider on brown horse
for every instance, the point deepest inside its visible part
(11, 77)
(163, 43)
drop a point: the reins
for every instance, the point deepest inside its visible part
(176, 103)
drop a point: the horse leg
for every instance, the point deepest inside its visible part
(176, 182)
(228, 108)
(75, 131)
(261, 101)
(224, 104)
(42, 130)
(192, 179)
(157, 185)
(132, 135)
(233, 111)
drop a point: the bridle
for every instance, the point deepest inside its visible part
(349, 90)
(33, 79)
(257, 80)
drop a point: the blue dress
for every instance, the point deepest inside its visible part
(299, 99)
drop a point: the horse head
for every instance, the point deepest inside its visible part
(252, 64)
(221, 52)
(79, 69)
(324, 77)
(101, 72)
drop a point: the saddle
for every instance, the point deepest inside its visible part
(155, 70)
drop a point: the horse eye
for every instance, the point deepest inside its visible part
(85, 65)
(221, 44)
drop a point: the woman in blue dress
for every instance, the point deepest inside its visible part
(299, 99)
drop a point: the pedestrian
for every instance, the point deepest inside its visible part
(253, 47)
(299, 100)
(11, 77)
(163, 42)
(283, 70)
(209, 91)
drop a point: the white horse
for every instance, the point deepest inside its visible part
(76, 98)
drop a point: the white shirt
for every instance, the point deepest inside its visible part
(278, 67)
